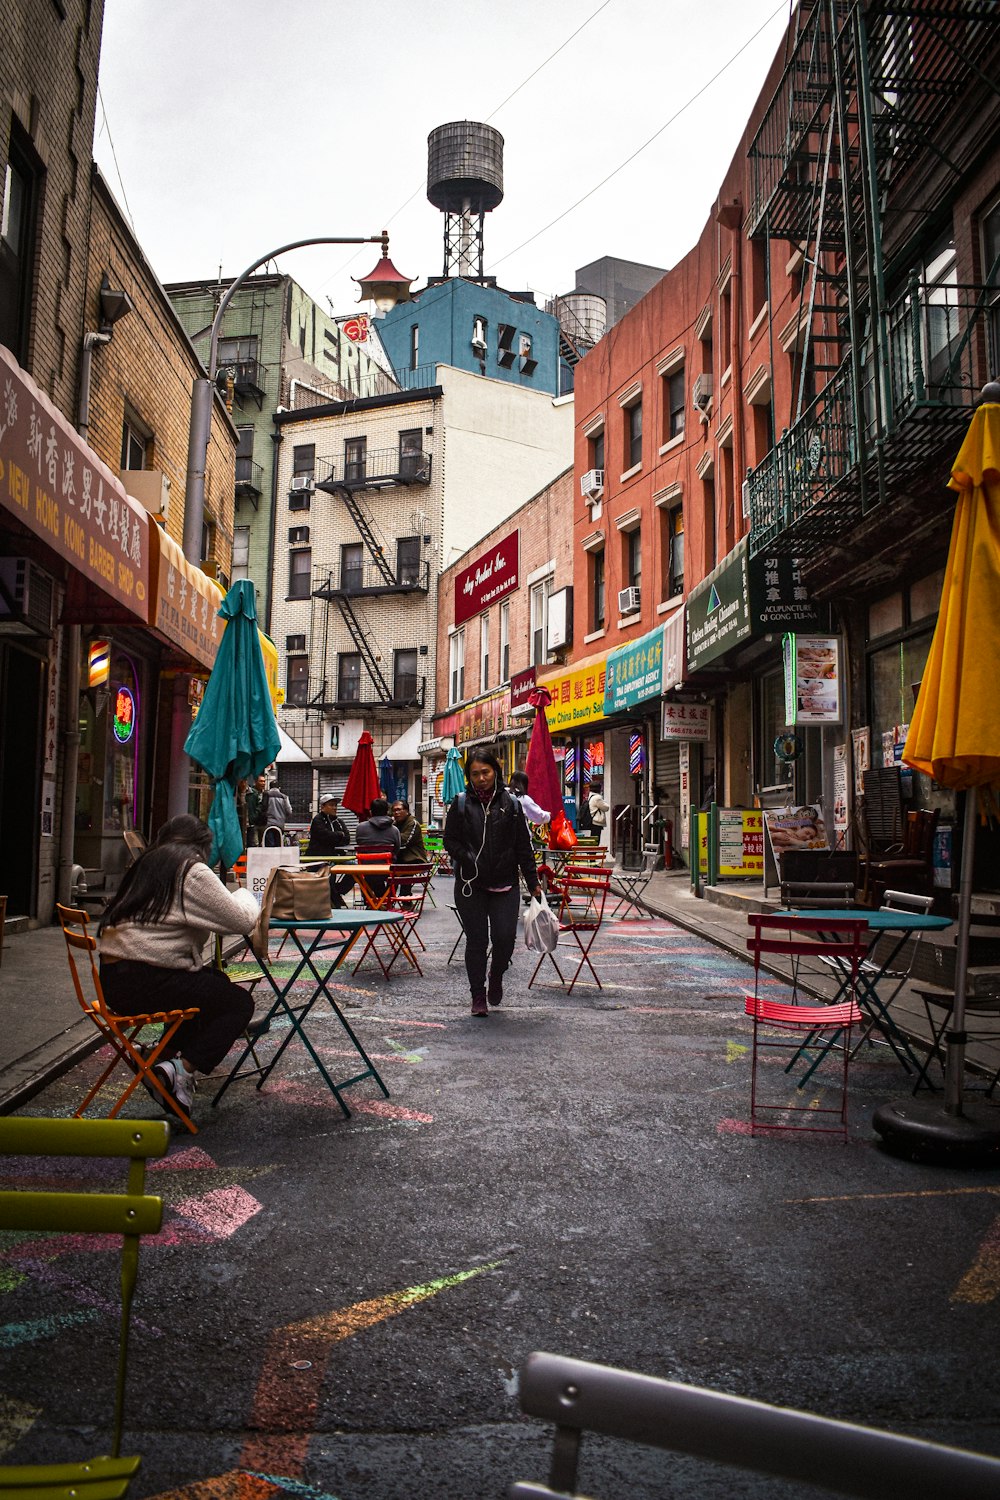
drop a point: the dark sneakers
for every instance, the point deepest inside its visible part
(495, 992)
(479, 1006)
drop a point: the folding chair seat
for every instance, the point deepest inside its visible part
(581, 915)
(413, 889)
(631, 885)
(128, 1214)
(939, 1005)
(121, 1032)
(405, 894)
(809, 1032)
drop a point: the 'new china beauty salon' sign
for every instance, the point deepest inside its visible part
(492, 576)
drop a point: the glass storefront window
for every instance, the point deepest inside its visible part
(112, 734)
(771, 722)
(895, 671)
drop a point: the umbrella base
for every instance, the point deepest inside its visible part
(921, 1131)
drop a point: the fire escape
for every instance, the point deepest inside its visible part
(882, 109)
(388, 571)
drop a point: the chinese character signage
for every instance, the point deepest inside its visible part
(186, 601)
(60, 490)
(718, 611)
(484, 718)
(634, 672)
(577, 696)
(778, 597)
(492, 576)
(741, 842)
(123, 723)
(812, 679)
(686, 721)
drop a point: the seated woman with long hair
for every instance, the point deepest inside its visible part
(153, 936)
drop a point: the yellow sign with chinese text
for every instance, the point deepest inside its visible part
(577, 696)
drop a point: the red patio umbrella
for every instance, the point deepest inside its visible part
(542, 771)
(362, 784)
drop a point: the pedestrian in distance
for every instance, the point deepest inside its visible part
(598, 809)
(277, 814)
(154, 936)
(486, 835)
(519, 788)
(257, 810)
(411, 836)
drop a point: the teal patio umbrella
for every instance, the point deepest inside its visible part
(235, 734)
(454, 775)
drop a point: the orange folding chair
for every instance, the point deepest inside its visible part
(581, 913)
(809, 1031)
(121, 1032)
(405, 894)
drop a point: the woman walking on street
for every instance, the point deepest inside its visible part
(486, 835)
(154, 934)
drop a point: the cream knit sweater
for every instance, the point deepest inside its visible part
(178, 940)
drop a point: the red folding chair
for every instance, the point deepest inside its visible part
(406, 894)
(581, 913)
(806, 1031)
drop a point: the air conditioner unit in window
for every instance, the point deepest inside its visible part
(592, 484)
(479, 345)
(150, 487)
(26, 597)
(301, 482)
(628, 600)
(701, 394)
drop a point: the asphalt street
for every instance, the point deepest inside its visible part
(338, 1307)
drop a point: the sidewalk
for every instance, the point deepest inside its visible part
(43, 1031)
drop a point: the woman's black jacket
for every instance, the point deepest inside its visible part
(507, 847)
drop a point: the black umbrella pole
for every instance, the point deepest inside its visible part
(955, 1063)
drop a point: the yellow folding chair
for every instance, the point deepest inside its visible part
(131, 1213)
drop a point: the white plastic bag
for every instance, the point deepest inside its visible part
(541, 926)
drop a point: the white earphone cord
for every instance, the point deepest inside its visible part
(468, 880)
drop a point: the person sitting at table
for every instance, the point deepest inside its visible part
(378, 834)
(487, 837)
(411, 835)
(154, 937)
(328, 835)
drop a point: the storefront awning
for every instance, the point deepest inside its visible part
(674, 651)
(291, 751)
(183, 601)
(60, 490)
(407, 746)
(742, 599)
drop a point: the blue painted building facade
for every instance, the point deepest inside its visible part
(481, 329)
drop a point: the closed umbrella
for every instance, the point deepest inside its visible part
(541, 768)
(954, 734)
(387, 778)
(454, 775)
(362, 784)
(235, 734)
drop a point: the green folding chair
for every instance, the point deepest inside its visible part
(131, 1213)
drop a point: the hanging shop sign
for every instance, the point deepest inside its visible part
(522, 685)
(634, 673)
(686, 721)
(492, 576)
(577, 695)
(61, 491)
(123, 723)
(184, 601)
(742, 599)
(674, 650)
(812, 679)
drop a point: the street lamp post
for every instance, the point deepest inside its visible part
(383, 285)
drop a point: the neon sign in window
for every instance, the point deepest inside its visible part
(124, 720)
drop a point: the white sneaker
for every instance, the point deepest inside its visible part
(177, 1081)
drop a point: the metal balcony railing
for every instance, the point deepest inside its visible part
(248, 375)
(378, 468)
(249, 476)
(417, 379)
(407, 691)
(942, 344)
(366, 578)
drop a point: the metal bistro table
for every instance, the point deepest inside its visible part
(870, 974)
(323, 946)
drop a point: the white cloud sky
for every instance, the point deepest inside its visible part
(226, 131)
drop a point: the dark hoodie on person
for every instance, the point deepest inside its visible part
(379, 832)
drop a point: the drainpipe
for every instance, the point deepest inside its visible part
(74, 637)
(730, 216)
(277, 436)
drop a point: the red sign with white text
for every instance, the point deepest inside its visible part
(492, 576)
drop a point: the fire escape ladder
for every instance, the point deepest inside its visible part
(365, 522)
(365, 645)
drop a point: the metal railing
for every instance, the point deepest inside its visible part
(367, 579)
(382, 466)
(249, 476)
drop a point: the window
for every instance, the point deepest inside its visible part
(411, 453)
(456, 667)
(479, 336)
(726, 327)
(295, 643)
(207, 539)
(237, 351)
(672, 539)
(408, 560)
(355, 455)
(708, 486)
(597, 589)
(303, 456)
(241, 551)
(134, 442)
(414, 345)
(404, 676)
(505, 345)
(484, 652)
(595, 451)
(18, 223)
(758, 276)
(297, 680)
(528, 365)
(300, 573)
(352, 566)
(538, 603)
(991, 279)
(298, 535)
(349, 677)
(505, 641)
(673, 404)
(633, 435)
(633, 558)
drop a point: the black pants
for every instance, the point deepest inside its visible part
(487, 916)
(224, 1008)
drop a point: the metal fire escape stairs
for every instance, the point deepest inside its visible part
(857, 107)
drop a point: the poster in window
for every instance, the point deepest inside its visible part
(861, 742)
(841, 806)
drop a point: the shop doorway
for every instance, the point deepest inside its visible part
(22, 701)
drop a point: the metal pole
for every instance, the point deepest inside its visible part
(954, 1072)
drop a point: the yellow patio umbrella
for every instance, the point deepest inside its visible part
(954, 735)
